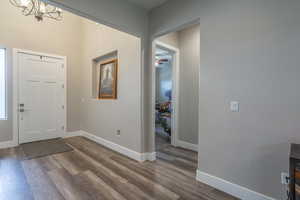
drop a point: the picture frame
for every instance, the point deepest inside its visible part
(108, 79)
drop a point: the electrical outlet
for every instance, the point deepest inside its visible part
(118, 132)
(285, 178)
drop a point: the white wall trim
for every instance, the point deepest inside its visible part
(230, 188)
(6, 76)
(175, 90)
(8, 144)
(73, 134)
(15, 111)
(149, 156)
(12, 143)
(187, 145)
(141, 157)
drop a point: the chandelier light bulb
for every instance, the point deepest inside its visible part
(42, 7)
(24, 3)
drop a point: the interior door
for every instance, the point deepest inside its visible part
(41, 97)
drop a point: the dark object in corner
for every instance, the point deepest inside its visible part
(295, 172)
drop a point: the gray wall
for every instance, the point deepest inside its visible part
(127, 17)
(118, 14)
(189, 46)
(170, 39)
(250, 53)
(104, 117)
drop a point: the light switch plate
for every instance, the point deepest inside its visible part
(285, 178)
(234, 106)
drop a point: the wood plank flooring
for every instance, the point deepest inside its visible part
(93, 172)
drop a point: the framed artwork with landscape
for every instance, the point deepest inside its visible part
(108, 79)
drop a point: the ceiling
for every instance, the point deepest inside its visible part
(148, 4)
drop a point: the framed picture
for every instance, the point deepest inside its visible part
(108, 80)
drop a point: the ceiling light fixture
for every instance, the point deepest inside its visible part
(38, 8)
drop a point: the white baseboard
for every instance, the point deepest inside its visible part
(8, 144)
(141, 157)
(186, 145)
(73, 134)
(230, 188)
(149, 156)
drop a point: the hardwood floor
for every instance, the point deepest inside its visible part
(93, 172)
(179, 157)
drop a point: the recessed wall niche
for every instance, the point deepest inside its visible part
(96, 65)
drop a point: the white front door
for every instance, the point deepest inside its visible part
(41, 97)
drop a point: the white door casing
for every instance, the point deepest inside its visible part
(175, 89)
(41, 96)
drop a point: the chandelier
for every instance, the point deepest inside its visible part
(38, 8)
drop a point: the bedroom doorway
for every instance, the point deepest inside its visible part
(175, 96)
(166, 76)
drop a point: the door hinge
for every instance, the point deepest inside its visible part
(63, 128)
(63, 107)
(62, 66)
(63, 86)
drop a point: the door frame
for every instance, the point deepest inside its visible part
(15, 77)
(175, 89)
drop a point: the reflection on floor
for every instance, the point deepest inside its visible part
(93, 172)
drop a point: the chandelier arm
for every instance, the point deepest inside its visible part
(28, 13)
(14, 3)
(59, 18)
(34, 8)
(31, 10)
(55, 16)
(52, 12)
(38, 6)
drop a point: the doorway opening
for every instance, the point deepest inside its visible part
(166, 70)
(175, 89)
